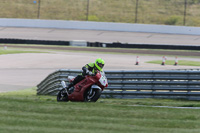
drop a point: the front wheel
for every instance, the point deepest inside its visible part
(62, 96)
(92, 97)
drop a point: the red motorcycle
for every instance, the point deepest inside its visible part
(87, 90)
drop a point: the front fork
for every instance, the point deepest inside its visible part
(90, 93)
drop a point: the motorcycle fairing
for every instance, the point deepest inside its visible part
(79, 89)
(103, 79)
(79, 85)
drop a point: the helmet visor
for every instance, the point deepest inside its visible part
(100, 65)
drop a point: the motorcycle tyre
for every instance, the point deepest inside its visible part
(65, 99)
(94, 98)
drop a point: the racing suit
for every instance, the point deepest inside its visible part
(88, 69)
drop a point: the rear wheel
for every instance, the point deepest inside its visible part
(92, 97)
(62, 96)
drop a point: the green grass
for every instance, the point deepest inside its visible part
(180, 62)
(169, 12)
(23, 111)
(12, 51)
(89, 50)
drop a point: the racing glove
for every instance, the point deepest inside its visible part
(90, 73)
(87, 72)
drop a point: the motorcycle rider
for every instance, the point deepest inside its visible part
(89, 69)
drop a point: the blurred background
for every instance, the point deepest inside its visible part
(164, 12)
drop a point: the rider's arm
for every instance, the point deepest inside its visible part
(87, 69)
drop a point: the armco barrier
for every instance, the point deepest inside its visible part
(135, 84)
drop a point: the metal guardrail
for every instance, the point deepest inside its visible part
(135, 84)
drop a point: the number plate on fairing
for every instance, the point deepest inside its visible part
(103, 79)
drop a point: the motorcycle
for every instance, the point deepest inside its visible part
(87, 90)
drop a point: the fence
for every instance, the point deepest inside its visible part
(136, 84)
(169, 12)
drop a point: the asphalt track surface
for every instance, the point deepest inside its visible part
(98, 36)
(21, 71)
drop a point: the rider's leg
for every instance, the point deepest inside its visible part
(75, 81)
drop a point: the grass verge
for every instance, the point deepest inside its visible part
(180, 62)
(170, 12)
(12, 51)
(23, 111)
(132, 51)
